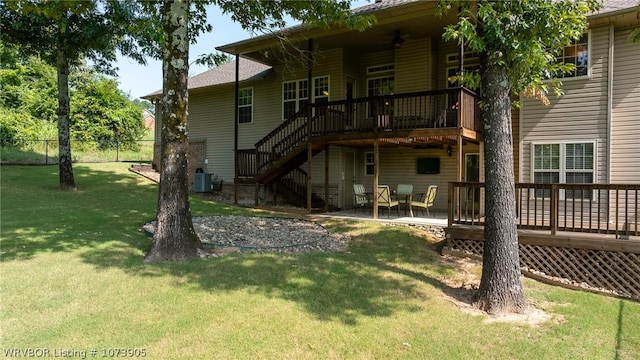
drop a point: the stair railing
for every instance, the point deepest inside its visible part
(279, 142)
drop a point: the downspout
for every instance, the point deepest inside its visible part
(610, 100)
(235, 134)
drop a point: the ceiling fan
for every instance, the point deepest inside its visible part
(399, 39)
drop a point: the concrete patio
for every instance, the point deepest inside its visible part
(437, 218)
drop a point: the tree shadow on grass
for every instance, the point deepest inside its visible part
(37, 217)
(109, 205)
(100, 223)
(365, 281)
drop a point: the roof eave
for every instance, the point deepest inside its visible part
(303, 31)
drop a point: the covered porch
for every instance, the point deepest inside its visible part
(439, 119)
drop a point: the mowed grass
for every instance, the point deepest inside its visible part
(72, 277)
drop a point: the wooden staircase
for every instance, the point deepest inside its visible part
(279, 156)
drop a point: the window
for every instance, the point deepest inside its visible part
(380, 86)
(572, 163)
(295, 94)
(453, 72)
(295, 97)
(369, 163)
(377, 87)
(245, 106)
(321, 90)
(382, 83)
(471, 66)
(577, 54)
(386, 68)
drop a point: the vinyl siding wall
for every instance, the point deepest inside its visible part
(398, 166)
(414, 67)
(212, 113)
(625, 127)
(579, 115)
(211, 119)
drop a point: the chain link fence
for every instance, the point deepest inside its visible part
(45, 152)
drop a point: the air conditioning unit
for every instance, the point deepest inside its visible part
(202, 182)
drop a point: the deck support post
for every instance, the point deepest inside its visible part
(309, 122)
(553, 216)
(376, 174)
(235, 133)
(326, 178)
(309, 176)
(459, 160)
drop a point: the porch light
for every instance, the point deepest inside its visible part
(410, 139)
(449, 150)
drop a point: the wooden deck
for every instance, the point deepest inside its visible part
(412, 120)
(584, 234)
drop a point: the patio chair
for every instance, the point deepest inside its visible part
(426, 200)
(362, 199)
(384, 199)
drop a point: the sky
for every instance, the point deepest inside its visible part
(139, 80)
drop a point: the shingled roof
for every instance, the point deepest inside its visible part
(609, 6)
(224, 74)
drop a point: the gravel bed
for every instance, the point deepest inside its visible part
(224, 234)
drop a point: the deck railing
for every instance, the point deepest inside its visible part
(419, 110)
(284, 138)
(591, 208)
(246, 163)
(449, 108)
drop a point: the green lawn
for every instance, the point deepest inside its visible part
(72, 277)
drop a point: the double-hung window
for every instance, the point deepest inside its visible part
(577, 54)
(295, 97)
(471, 66)
(295, 94)
(245, 106)
(571, 163)
(369, 163)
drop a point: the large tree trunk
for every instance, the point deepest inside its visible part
(174, 238)
(500, 286)
(64, 138)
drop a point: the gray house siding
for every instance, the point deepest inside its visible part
(625, 127)
(579, 115)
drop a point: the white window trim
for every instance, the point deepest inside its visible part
(390, 69)
(390, 75)
(240, 106)
(310, 91)
(471, 56)
(367, 163)
(563, 171)
(589, 65)
(470, 59)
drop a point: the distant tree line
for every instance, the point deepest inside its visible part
(100, 113)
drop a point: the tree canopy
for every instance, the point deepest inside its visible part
(518, 42)
(100, 113)
(524, 36)
(66, 33)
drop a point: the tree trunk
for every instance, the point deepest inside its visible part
(64, 138)
(500, 286)
(174, 238)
